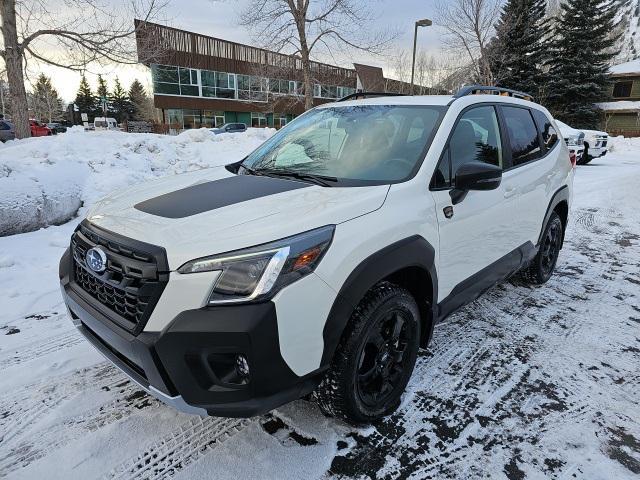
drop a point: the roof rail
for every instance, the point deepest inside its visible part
(475, 89)
(357, 95)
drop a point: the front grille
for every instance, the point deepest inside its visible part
(132, 282)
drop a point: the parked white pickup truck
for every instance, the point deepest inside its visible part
(595, 145)
(574, 140)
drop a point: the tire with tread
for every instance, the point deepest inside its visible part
(337, 393)
(534, 273)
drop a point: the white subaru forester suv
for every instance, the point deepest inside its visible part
(322, 261)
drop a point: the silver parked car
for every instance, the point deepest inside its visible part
(7, 131)
(230, 128)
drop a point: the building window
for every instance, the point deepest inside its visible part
(252, 88)
(622, 89)
(218, 84)
(211, 118)
(279, 120)
(174, 80)
(192, 118)
(165, 79)
(174, 117)
(345, 91)
(282, 87)
(258, 119)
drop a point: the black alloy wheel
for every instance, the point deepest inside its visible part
(542, 266)
(550, 247)
(383, 358)
(375, 357)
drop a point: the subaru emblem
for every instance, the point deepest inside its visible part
(96, 259)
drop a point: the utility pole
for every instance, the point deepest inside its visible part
(420, 23)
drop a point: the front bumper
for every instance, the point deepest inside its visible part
(184, 365)
(597, 152)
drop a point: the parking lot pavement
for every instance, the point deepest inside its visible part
(523, 383)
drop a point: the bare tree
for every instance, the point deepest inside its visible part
(305, 27)
(44, 101)
(75, 35)
(433, 71)
(469, 26)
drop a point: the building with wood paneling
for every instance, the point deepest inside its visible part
(202, 81)
(621, 115)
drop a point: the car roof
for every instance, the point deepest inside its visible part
(431, 100)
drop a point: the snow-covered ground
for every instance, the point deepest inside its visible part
(524, 383)
(45, 180)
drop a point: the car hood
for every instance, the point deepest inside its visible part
(214, 211)
(595, 133)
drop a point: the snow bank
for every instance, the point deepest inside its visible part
(621, 105)
(621, 144)
(45, 180)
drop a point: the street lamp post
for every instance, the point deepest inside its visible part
(420, 23)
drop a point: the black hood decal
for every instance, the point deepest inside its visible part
(207, 196)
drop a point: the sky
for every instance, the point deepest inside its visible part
(219, 19)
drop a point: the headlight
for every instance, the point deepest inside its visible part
(256, 273)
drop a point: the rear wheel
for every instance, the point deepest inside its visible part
(585, 156)
(375, 358)
(543, 265)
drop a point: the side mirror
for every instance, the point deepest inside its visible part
(475, 176)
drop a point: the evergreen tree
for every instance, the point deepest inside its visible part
(102, 93)
(44, 101)
(519, 49)
(142, 105)
(583, 51)
(85, 99)
(120, 103)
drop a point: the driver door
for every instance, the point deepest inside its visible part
(478, 231)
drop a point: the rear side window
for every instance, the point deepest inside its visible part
(523, 135)
(549, 134)
(4, 126)
(475, 138)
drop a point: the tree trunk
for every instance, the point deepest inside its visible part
(15, 73)
(299, 14)
(308, 83)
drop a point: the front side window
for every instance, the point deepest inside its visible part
(363, 144)
(549, 134)
(475, 138)
(523, 135)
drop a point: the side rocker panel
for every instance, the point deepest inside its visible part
(414, 251)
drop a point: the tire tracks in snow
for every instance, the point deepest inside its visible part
(129, 399)
(35, 350)
(180, 448)
(487, 364)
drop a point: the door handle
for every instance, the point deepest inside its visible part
(510, 192)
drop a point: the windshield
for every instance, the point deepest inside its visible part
(363, 144)
(100, 124)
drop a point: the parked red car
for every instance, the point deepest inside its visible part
(38, 129)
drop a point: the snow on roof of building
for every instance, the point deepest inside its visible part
(626, 68)
(621, 105)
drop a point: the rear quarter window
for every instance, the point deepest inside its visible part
(549, 134)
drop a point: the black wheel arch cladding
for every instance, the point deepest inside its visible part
(560, 204)
(410, 254)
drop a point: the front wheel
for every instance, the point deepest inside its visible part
(375, 358)
(544, 263)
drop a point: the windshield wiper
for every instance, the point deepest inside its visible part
(322, 180)
(249, 170)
